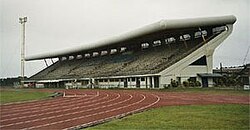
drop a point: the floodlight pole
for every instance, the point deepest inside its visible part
(22, 20)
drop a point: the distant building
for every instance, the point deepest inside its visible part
(241, 73)
(10, 82)
(149, 57)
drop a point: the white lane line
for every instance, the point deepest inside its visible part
(77, 95)
(10, 105)
(55, 108)
(30, 103)
(50, 107)
(45, 118)
(38, 105)
(116, 116)
(64, 110)
(18, 105)
(103, 112)
(21, 103)
(33, 106)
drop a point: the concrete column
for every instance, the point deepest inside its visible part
(209, 56)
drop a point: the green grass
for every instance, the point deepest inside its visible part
(18, 95)
(212, 90)
(209, 91)
(233, 117)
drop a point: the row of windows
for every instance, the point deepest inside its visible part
(95, 54)
(169, 40)
(217, 30)
(200, 33)
(133, 79)
(185, 37)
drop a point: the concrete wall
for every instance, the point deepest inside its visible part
(130, 83)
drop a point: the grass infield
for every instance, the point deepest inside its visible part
(213, 90)
(185, 117)
(19, 95)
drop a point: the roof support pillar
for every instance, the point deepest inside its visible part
(52, 61)
(202, 35)
(184, 41)
(45, 62)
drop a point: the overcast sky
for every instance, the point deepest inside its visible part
(59, 24)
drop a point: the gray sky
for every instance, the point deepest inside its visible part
(60, 24)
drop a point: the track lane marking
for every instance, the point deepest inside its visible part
(120, 115)
(19, 104)
(35, 127)
(50, 107)
(65, 109)
(36, 105)
(45, 118)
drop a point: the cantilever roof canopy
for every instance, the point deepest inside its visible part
(149, 29)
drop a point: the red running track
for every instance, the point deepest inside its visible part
(83, 108)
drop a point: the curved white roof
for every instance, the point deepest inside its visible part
(152, 28)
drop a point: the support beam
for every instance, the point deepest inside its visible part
(52, 60)
(209, 56)
(46, 62)
(184, 41)
(202, 35)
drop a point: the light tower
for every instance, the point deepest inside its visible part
(22, 20)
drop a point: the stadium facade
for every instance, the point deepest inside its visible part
(149, 57)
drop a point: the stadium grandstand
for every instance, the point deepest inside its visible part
(149, 57)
